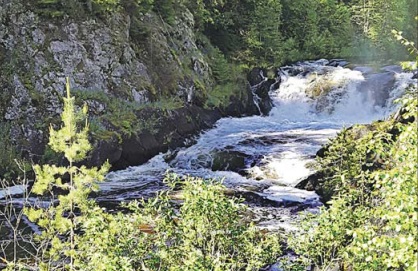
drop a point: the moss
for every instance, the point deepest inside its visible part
(5, 98)
(122, 118)
(199, 85)
(219, 96)
(320, 86)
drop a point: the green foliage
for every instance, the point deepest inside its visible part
(315, 29)
(229, 81)
(220, 95)
(49, 8)
(202, 229)
(263, 37)
(410, 45)
(165, 8)
(61, 221)
(373, 21)
(205, 230)
(121, 118)
(108, 5)
(371, 223)
(207, 233)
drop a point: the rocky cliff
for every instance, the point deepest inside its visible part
(147, 82)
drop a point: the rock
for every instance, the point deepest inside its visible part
(392, 68)
(111, 66)
(322, 62)
(256, 76)
(170, 132)
(293, 70)
(260, 87)
(364, 70)
(230, 160)
(311, 182)
(338, 63)
(415, 75)
(105, 150)
(377, 87)
(241, 105)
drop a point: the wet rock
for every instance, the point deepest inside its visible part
(258, 199)
(241, 105)
(260, 87)
(294, 70)
(322, 62)
(256, 76)
(267, 140)
(338, 63)
(311, 182)
(105, 150)
(169, 132)
(364, 70)
(392, 68)
(230, 160)
(377, 87)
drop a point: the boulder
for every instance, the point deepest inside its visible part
(338, 63)
(377, 87)
(256, 76)
(392, 68)
(364, 70)
(231, 160)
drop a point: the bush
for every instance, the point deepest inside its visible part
(372, 220)
(208, 232)
(205, 230)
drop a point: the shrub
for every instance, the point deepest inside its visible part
(205, 230)
(371, 223)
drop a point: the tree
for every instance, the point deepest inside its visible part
(61, 221)
(263, 38)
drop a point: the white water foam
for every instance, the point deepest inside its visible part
(285, 141)
(13, 191)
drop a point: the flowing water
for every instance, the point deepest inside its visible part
(263, 158)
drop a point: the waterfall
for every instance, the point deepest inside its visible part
(256, 98)
(266, 156)
(314, 101)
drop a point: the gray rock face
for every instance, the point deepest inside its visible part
(37, 55)
(104, 61)
(261, 86)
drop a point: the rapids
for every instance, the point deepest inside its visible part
(314, 101)
(263, 158)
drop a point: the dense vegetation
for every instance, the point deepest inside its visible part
(200, 229)
(369, 171)
(272, 32)
(370, 222)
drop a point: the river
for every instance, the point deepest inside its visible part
(264, 157)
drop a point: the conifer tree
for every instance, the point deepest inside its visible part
(61, 221)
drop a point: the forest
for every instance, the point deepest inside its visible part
(271, 32)
(170, 72)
